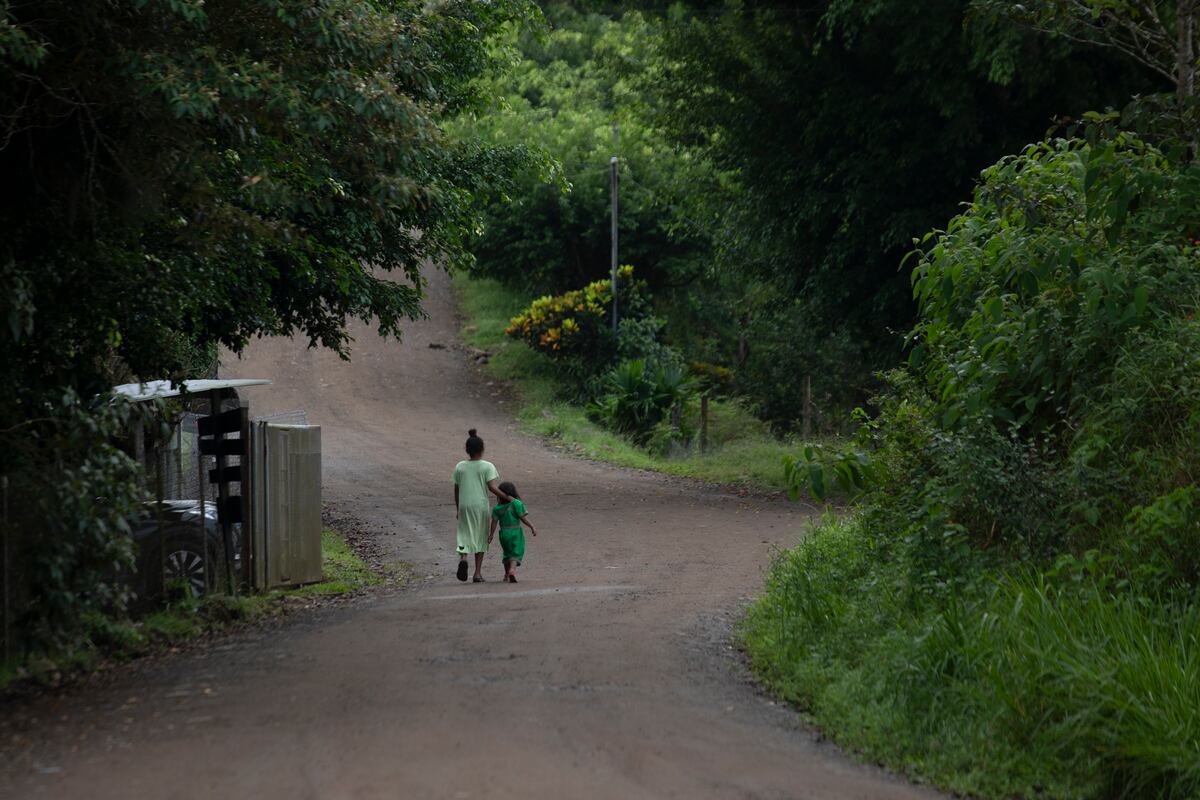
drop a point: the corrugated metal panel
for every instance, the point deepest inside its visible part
(151, 390)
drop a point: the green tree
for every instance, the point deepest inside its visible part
(565, 96)
(850, 127)
(180, 174)
(1161, 35)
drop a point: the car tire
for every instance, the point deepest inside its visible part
(184, 564)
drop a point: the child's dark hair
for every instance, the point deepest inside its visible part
(510, 490)
(474, 443)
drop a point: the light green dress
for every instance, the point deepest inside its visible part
(474, 508)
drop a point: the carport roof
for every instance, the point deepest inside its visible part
(152, 390)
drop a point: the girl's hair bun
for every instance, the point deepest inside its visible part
(471, 432)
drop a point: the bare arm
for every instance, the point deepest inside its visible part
(525, 519)
(456, 501)
(494, 488)
(492, 529)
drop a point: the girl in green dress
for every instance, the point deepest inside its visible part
(473, 479)
(509, 516)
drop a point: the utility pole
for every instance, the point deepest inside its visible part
(613, 186)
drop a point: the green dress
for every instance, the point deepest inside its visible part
(512, 537)
(474, 517)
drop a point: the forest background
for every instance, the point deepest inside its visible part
(973, 232)
(976, 224)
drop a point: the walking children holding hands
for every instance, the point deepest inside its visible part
(473, 479)
(509, 516)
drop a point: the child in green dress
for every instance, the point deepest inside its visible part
(508, 517)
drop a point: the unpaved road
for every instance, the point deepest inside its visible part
(605, 673)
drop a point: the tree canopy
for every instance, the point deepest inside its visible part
(182, 174)
(850, 129)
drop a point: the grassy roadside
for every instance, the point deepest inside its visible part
(111, 640)
(1035, 685)
(743, 452)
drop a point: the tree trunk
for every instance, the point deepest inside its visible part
(743, 344)
(1185, 50)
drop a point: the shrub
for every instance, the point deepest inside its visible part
(639, 338)
(1050, 685)
(637, 397)
(77, 491)
(577, 326)
(1018, 589)
(1050, 386)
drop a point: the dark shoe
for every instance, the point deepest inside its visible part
(462, 570)
(477, 579)
(512, 578)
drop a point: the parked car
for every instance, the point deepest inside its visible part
(183, 554)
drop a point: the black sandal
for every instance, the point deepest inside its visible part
(462, 570)
(477, 579)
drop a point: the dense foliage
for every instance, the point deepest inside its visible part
(180, 174)
(1027, 529)
(577, 326)
(629, 379)
(847, 129)
(550, 230)
(775, 167)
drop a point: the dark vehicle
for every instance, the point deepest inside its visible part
(184, 555)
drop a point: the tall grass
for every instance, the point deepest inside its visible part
(1031, 687)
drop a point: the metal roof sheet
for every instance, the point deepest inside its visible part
(152, 390)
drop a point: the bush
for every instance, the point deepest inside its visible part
(1050, 686)
(639, 338)
(71, 493)
(576, 327)
(637, 397)
(575, 331)
(1049, 389)
(1018, 589)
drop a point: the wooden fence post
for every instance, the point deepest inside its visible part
(807, 406)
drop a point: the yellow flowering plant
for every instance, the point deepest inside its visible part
(577, 325)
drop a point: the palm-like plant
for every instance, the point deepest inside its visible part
(637, 396)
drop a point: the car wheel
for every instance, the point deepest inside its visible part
(184, 564)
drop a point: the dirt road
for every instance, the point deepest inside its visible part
(605, 673)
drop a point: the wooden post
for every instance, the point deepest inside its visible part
(247, 493)
(807, 406)
(704, 423)
(202, 490)
(214, 408)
